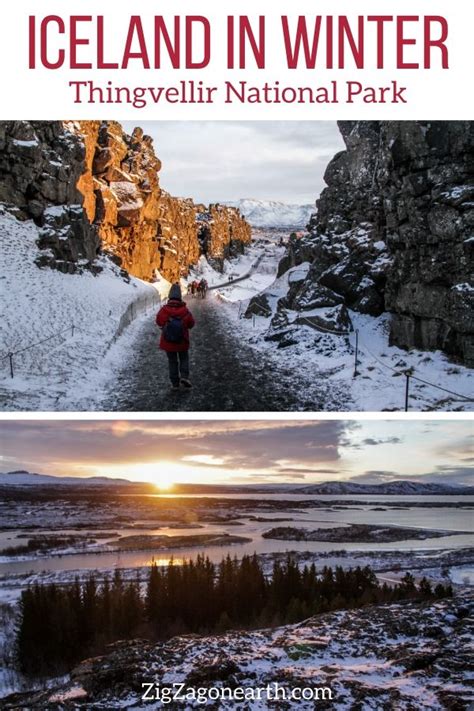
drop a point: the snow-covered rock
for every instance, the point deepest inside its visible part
(392, 230)
(406, 655)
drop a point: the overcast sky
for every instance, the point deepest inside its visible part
(243, 451)
(213, 161)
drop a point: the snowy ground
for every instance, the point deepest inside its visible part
(260, 262)
(380, 384)
(438, 566)
(317, 362)
(402, 656)
(75, 370)
(41, 302)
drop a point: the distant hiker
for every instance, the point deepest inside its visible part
(192, 288)
(203, 288)
(175, 320)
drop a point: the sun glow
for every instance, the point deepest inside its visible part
(164, 485)
(165, 474)
(162, 474)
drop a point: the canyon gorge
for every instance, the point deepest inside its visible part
(392, 232)
(93, 188)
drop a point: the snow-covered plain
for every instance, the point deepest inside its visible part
(87, 310)
(105, 519)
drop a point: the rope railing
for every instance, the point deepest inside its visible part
(321, 328)
(11, 354)
(38, 343)
(408, 373)
(149, 302)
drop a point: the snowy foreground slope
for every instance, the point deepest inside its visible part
(271, 213)
(89, 309)
(407, 656)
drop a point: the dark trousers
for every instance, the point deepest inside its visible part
(178, 364)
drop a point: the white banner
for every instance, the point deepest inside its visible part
(334, 59)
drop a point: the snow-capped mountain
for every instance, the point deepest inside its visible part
(270, 213)
(401, 488)
(398, 488)
(24, 478)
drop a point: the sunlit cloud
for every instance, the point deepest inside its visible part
(166, 452)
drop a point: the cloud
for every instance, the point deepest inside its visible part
(227, 160)
(250, 446)
(451, 475)
(371, 441)
(272, 476)
(283, 450)
(351, 443)
(376, 476)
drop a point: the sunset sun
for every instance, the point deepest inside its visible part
(163, 485)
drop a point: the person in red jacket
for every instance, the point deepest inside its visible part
(175, 321)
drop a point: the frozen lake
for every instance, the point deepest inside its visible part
(371, 510)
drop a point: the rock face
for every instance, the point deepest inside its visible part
(40, 165)
(429, 204)
(142, 225)
(90, 186)
(394, 232)
(222, 232)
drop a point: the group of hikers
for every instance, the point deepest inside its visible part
(198, 288)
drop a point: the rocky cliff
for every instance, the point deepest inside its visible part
(222, 232)
(90, 187)
(141, 225)
(394, 232)
(138, 222)
(41, 164)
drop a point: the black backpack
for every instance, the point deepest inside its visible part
(173, 330)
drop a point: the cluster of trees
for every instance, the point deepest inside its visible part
(62, 624)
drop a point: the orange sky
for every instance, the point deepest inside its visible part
(298, 451)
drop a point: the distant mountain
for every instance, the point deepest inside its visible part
(24, 478)
(333, 488)
(270, 213)
(398, 488)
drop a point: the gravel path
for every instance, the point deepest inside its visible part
(227, 376)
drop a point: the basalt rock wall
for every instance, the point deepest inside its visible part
(394, 231)
(145, 227)
(222, 232)
(41, 163)
(141, 225)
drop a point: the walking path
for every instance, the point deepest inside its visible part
(226, 375)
